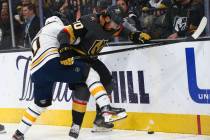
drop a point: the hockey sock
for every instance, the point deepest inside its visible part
(78, 111)
(97, 89)
(29, 117)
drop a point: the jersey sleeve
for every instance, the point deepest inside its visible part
(72, 34)
(63, 38)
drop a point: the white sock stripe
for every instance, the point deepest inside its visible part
(29, 111)
(37, 109)
(23, 127)
(103, 100)
(92, 77)
(34, 111)
(97, 82)
(27, 120)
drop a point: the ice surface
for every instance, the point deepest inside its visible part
(43, 132)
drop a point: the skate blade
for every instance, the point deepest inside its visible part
(97, 129)
(114, 118)
(2, 132)
(71, 138)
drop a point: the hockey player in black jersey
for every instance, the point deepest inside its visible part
(84, 39)
(60, 60)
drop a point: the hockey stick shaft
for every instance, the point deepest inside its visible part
(193, 37)
(160, 42)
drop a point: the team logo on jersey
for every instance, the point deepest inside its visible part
(180, 23)
(97, 47)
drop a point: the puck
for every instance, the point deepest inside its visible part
(150, 132)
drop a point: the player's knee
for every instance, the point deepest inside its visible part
(43, 103)
(81, 93)
(93, 76)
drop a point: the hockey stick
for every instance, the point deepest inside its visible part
(159, 42)
(194, 36)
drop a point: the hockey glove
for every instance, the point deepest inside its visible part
(139, 37)
(65, 56)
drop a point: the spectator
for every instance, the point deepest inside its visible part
(136, 6)
(47, 8)
(129, 16)
(25, 2)
(5, 27)
(102, 5)
(183, 17)
(32, 24)
(19, 16)
(86, 7)
(152, 17)
(74, 12)
(63, 12)
(19, 21)
(58, 8)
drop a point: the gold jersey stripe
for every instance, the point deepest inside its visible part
(42, 57)
(79, 107)
(71, 33)
(97, 90)
(78, 51)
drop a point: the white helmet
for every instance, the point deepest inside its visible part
(53, 19)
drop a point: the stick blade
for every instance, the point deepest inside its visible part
(200, 28)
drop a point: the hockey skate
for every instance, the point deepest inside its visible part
(112, 114)
(18, 135)
(74, 131)
(100, 125)
(2, 129)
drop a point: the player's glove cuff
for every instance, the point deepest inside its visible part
(139, 37)
(65, 56)
(68, 61)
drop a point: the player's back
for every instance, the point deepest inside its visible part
(45, 45)
(48, 35)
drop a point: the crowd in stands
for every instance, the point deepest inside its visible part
(161, 19)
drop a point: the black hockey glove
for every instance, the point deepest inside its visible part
(65, 56)
(139, 37)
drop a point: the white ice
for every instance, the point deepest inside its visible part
(43, 132)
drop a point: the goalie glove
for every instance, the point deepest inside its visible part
(139, 37)
(65, 56)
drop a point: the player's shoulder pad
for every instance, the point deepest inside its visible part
(77, 29)
(63, 37)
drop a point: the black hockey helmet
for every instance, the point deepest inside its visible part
(115, 13)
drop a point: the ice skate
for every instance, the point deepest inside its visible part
(2, 129)
(100, 125)
(112, 114)
(74, 131)
(18, 135)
